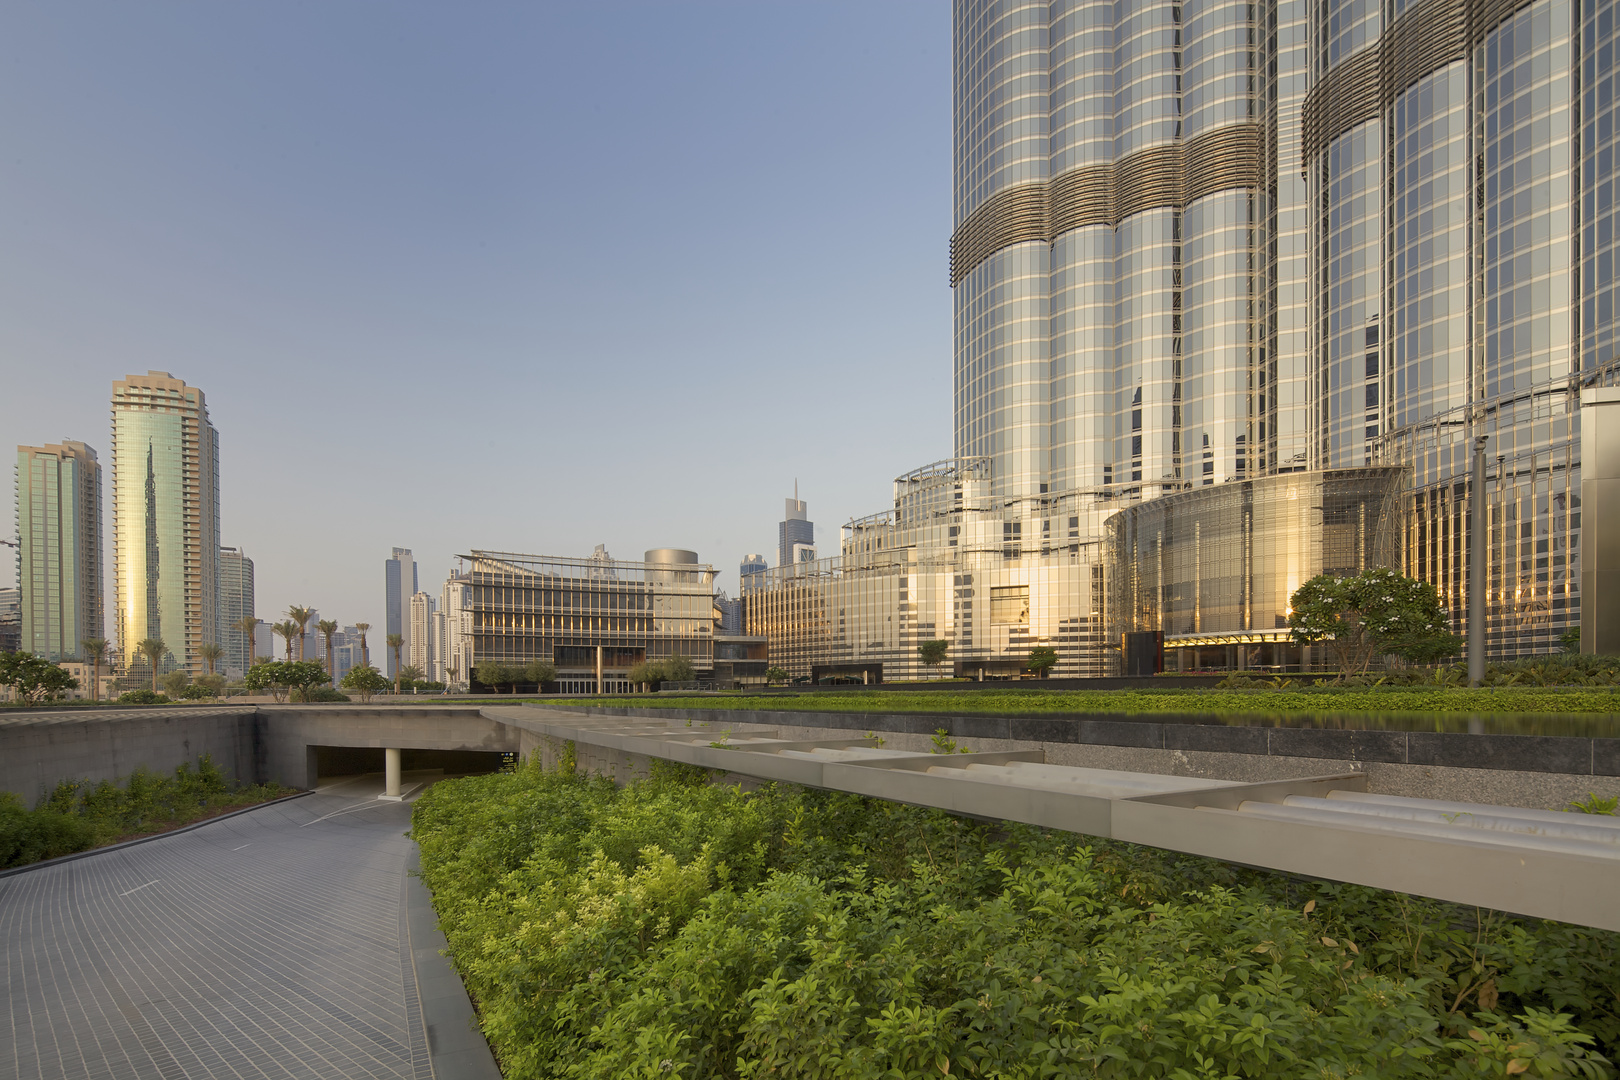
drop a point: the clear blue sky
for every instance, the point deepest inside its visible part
(514, 276)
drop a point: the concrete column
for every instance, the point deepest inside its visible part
(391, 772)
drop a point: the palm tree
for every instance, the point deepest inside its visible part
(248, 625)
(153, 649)
(365, 653)
(288, 630)
(328, 627)
(95, 650)
(394, 642)
(301, 616)
(210, 655)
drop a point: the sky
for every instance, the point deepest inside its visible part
(523, 277)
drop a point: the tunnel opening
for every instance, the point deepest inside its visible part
(341, 762)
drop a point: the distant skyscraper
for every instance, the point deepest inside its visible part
(751, 564)
(796, 532)
(10, 620)
(399, 574)
(59, 548)
(455, 608)
(165, 481)
(419, 652)
(235, 604)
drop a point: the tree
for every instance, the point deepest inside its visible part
(539, 672)
(679, 669)
(175, 682)
(396, 642)
(291, 676)
(34, 678)
(1042, 658)
(210, 654)
(288, 630)
(95, 651)
(328, 627)
(646, 673)
(452, 668)
(409, 675)
(153, 649)
(365, 651)
(364, 680)
(262, 676)
(493, 675)
(1375, 613)
(248, 626)
(933, 652)
(301, 616)
(775, 675)
(212, 682)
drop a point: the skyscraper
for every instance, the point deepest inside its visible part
(455, 608)
(235, 604)
(1239, 290)
(165, 481)
(59, 548)
(796, 534)
(399, 578)
(419, 652)
(1205, 242)
(750, 565)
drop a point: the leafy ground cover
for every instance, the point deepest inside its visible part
(77, 815)
(1304, 699)
(676, 928)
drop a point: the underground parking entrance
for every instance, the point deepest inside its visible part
(367, 766)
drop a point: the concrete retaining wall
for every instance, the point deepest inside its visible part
(35, 754)
(1538, 771)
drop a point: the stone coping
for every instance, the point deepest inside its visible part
(1565, 754)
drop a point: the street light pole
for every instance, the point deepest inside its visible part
(1476, 569)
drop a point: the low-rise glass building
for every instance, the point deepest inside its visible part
(1212, 569)
(593, 618)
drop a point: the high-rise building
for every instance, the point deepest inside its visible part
(399, 577)
(455, 608)
(235, 604)
(59, 548)
(165, 482)
(1303, 255)
(419, 652)
(10, 620)
(796, 533)
(750, 565)
(1201, 243)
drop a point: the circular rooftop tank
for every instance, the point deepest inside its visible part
(670, 555)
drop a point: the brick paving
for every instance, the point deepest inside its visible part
(270, 944)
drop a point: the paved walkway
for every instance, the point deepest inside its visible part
(271, 944)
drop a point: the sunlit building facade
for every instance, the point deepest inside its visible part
(165, 482)
(235, 604)
(594, 618)
(59, 549)
(1209, 243)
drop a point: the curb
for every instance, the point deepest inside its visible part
(43, 863)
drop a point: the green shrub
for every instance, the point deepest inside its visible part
(142, 696)
(28, 836)
(76, 815)
(676, 928)
(325, 693)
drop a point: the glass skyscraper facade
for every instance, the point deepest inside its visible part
(59, 549)
(165, 480)
(235, 604)
(1209, 241)
(1210, 244)
(400, 584)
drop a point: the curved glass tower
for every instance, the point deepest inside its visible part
(1209, 241)
(165, 481)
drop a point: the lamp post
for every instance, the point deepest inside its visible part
(1476, 568)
